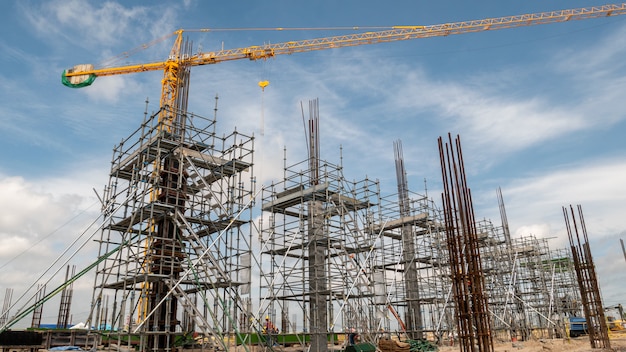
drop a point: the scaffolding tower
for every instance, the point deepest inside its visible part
(303, 219)
(372, 244)
(424, 222)
(337, 256)
(531, 288)
(175, 251)
(178, 249)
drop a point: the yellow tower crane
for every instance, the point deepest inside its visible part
(175, 68)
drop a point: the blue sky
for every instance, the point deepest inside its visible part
(540, 110)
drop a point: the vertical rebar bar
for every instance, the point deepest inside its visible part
(587, 280)
(63, 319)
(474, 329)
(318, 242)
(503, 218)
(413, 319)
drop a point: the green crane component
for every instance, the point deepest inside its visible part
(60, 288)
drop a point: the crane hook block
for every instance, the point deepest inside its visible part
(264, 84)
(78, 81)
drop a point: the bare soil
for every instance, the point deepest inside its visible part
(579, 344)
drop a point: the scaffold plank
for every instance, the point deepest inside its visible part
(154, 210)
(134, 282)
(405, 220)
(207, 161)
(349, 203)
(210, 226)
(146, 153)
(293, 198)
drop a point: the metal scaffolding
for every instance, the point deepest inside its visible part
(178, 207)
(425, 223)
(531, 288)
(178, 251)
(371, 245)
(302, 220)
(336, 256)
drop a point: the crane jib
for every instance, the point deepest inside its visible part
(84, 75)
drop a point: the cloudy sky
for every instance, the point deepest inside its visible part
(538, 110)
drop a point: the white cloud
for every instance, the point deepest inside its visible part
(39, 218)
(539, 230)
(534, 202)
(21, 201)
(596, 61)
(489, 121)
(10, 245)
(105, 24)
(109, 31)
(111, 90)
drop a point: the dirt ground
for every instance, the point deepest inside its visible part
(579, 344)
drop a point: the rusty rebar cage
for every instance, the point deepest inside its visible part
(587, 280)
(474, 328)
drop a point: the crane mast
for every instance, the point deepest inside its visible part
(175, 72)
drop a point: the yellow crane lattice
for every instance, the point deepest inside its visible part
(83, 75)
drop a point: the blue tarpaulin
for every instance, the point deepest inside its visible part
(66, 348)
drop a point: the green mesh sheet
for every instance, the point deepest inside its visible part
(85, 83)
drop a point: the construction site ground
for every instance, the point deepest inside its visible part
(579, 344)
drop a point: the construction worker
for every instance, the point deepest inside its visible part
(269, 329)
(352, 337)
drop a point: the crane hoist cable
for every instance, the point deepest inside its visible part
(263, 83)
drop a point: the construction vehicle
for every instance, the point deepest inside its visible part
(615, 322)
(577, 326)
(176, 67)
